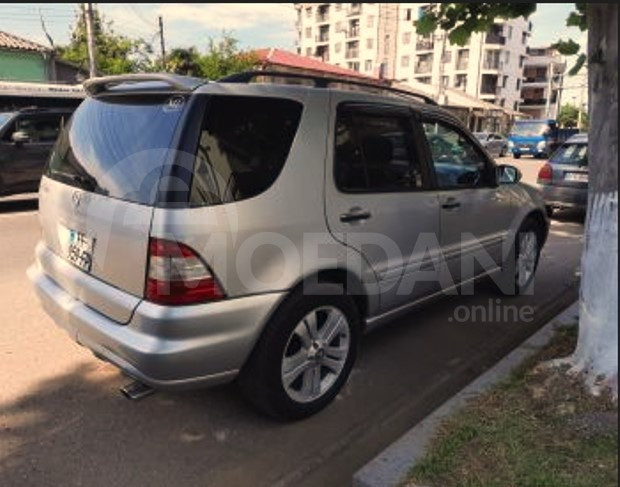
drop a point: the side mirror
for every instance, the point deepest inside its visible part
(507, 174)
(20, 137)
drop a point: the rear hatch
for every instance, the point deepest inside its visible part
(98, 194)
(570, 165)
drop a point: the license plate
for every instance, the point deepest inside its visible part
(524, 147)
(79, 249)
(576, 176)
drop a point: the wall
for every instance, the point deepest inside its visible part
(22, 66)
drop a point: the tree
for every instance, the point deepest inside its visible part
(596, 355)
(222, 58)
(569, 117)
(116, 53)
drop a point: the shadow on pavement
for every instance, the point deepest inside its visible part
(18, 205)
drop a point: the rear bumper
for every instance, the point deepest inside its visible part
(164, 347)
(564, 196)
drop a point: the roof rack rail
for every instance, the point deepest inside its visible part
(97, 86)
(324, 82)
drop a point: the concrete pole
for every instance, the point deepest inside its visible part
(90, 38)
(162, 43)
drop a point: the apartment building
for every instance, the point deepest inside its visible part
(357, 36)
(542, 82)
(489, 67)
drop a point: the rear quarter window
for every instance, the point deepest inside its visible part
(571, 154)
(242, 148)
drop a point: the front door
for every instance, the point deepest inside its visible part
(475, 212)
(377, 199)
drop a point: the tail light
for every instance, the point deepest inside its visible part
(545, 175)
(177, 275)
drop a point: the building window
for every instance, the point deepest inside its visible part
(446, 57)
(406, 37)
(338, 24)
(424, 63)
(309, 12)
(524, 38)
(408, 14)
(308, 51)
(502, 102)
(338, 46)
(460, 81)
(308, 32)
(515, 107)
(355, 66)
(509, 31)
(521, 61)
(504, 82)
(370, 21)
(462, 59)
(368, 65)
(338, 7)
(518, 83)
(425, 79)
(352, 50)
(404, 62)
(369, 43)
(506, 58)
(445, 81)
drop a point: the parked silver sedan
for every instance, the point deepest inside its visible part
(494, 143)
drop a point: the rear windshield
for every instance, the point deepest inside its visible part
(243, 145)
(571, 154)
(117, 146)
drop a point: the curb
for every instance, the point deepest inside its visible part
(391, 466)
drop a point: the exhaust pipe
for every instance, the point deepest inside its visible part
(136, 390)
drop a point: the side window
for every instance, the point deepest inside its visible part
(457, 162)
(242, 148)
(373, 152)
(40, 129)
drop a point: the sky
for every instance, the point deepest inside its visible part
(253, 24)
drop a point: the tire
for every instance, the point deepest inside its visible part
(519, 269)
(516, 156)
(293, 339)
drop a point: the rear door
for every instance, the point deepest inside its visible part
(377, 201)
(96, 201)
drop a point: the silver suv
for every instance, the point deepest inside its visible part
(195, 232)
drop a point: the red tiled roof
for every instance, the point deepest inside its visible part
(279, 57)
(10, 41)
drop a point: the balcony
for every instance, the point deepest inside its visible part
(352, 53)
(423, 67)
(530, 102)
(493, 38)
(355, 9)
(424, 45)
(462, 64)
(322, 18)
(353, 32)
(492, 64)
(535, 79)
(322, 38)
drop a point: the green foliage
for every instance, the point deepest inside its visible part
(222, 58)
(569, 117)
(116, 53)
(461, 20)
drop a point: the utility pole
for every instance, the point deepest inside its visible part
(161, 41)
(90, 38)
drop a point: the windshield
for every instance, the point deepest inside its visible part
(571, 154)
(117, 146)
(4, 118)
(529, 129)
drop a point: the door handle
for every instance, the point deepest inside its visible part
(354, 215)
(451, 204)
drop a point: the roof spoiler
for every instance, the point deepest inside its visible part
(112, 84)
(320, 81)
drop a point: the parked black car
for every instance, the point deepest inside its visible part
(26, 139)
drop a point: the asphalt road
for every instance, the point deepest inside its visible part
(63, 421)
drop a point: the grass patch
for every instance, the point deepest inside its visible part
(539, 428)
